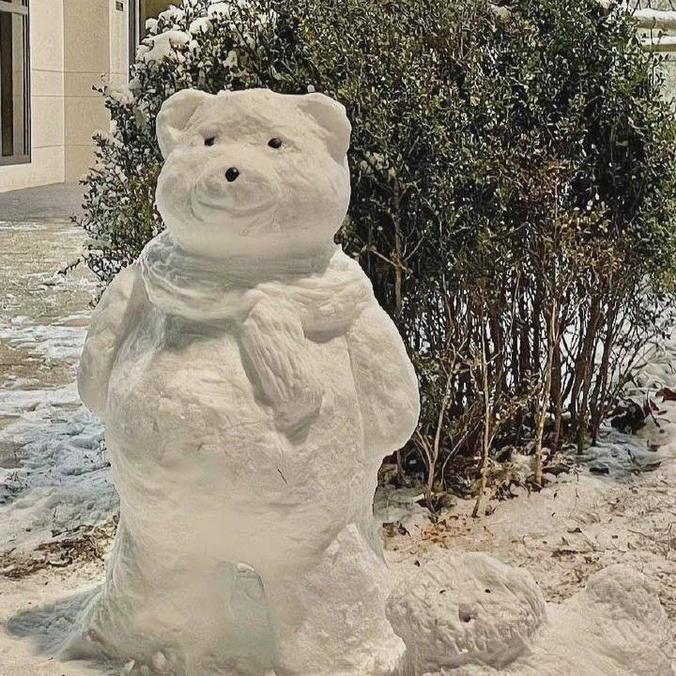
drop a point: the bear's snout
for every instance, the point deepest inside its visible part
(231, 174)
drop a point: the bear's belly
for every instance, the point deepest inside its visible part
(194, 450)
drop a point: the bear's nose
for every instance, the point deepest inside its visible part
(232, 174)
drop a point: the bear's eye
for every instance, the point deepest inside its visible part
(210, 141)
(275, 143)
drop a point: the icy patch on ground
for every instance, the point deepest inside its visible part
(617, 455)
(46, 588)
(63, 478)
(60, 342)
(660, 371)
(55, 473)
(25, 226)
(18, 401)
(401, 507)
(54, 477)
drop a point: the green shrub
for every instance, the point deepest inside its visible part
(513, 194)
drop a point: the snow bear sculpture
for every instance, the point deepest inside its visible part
(250, 385)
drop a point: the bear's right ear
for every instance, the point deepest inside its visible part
(174, 116)
(332, 118)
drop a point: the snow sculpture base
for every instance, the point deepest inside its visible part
(250, 384)
(451, 625)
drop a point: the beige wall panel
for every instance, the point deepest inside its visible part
(48, 166)
(78, 160)
(81, 84)
(119, 32)
(15, 177)
(47, 83)
(47, 127)
(84, 116)
(47, 44)
(118, 79)
(87, 37)
(86, 60)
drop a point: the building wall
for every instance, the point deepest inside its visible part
(669, 64)
(95, 52)
(86, 60)
(669, 68)
(75, 44)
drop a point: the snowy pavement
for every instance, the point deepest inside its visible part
(53, 472)
(56, 498)
(57, 505)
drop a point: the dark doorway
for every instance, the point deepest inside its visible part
(14, 83)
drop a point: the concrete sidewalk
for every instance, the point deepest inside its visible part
(58, 201)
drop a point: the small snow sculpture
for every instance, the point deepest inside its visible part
(465, 610)
(250, 385)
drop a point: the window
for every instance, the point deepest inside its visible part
(14, 83)
(139, 12)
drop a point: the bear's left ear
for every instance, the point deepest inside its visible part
(332, 117)
(174, 116)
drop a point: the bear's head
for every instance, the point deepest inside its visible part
(252, 172)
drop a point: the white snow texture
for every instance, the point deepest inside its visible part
(250, 385)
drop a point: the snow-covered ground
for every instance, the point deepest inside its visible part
(578, 526)
(58, 507)
(53, 473)
(57, 503)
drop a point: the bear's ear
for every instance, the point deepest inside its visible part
(174, 116)
(332, 117)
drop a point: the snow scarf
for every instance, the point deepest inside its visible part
(326, 288)
(275, 305)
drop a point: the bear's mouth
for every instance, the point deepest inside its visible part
(201, 209)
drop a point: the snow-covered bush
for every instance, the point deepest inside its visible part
(558, 239)
(513, 190)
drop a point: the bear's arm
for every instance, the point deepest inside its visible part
(387, 387)
(276, 349)
(109, 324)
